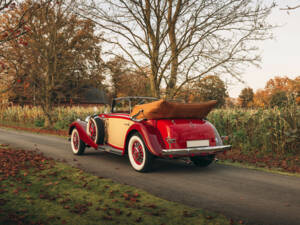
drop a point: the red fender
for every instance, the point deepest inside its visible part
(151, 137)
(80, 125)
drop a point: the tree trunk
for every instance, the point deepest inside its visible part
(47, 104)
(154, 87)
(47, 108)
(172, 19)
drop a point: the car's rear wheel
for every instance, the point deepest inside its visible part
(203, 161)
(139, 156)
(95, 129)
(78, 146)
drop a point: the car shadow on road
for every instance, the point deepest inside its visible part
(159, 165)
(179, 166)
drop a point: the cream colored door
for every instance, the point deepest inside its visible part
(117, 130)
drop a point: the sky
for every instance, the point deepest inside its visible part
(280, 56)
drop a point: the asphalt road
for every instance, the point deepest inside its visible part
(242, 194)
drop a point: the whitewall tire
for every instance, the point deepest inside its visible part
(139, 156)
(77, 145)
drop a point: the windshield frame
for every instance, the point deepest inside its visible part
(129, 98)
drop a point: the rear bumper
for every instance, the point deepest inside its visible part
(196, 150)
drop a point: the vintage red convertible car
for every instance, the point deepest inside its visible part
(146, 128)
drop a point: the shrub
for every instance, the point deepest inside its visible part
(39, 122)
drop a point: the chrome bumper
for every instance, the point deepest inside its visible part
(196, 150)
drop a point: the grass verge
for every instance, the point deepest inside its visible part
(287, 164)
(251, 166)
(34, 129)
(38, 190)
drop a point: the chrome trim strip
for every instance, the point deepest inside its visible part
(122, 116)
(136, 97)
(110, 149)
(186, 151)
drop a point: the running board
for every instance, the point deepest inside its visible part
(107, 148)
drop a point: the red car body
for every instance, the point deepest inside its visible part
(167, 138)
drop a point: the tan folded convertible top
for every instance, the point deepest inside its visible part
(163, 109)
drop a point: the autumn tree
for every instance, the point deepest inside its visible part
(56, 59)
(17, 25)
(279, 83)
(276, 90)
(125, 80)
(278, 87)
(297, 89)
(4, 4)
(246, 97)
(278, 98)
(12, 31)
(210, 88)
(13, 26)
(261, 98)
(182, 40)
(230, 102)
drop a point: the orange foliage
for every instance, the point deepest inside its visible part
(290, 86)
(261, 98)
(298, 100)
(51, 57)
(133, 83)
(280, 84)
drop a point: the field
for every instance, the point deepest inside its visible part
(266, 131)
(34, 117)
(268, 137)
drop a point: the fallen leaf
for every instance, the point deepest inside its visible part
(139, 219)
(136, 195)
(133, 199)
(106, 217)
(126, 196)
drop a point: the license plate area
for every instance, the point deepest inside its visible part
(197, 143)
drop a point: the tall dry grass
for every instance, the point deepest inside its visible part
(270, 130)
(62, 116)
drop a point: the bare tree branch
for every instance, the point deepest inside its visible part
(5, 4)
(290, 7)
(182, 40)
(17, 30)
